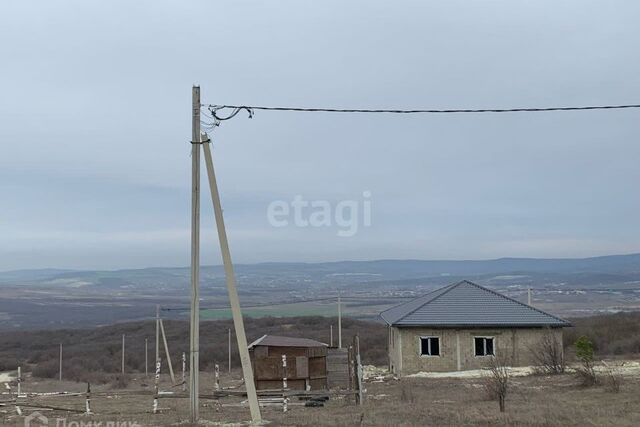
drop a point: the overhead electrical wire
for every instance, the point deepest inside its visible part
(214, 109)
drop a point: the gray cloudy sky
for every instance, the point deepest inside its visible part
(95, 119)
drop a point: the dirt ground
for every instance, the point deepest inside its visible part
(444, 401)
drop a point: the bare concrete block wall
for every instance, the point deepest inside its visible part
(457, 351)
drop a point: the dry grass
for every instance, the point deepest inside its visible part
(532, 401)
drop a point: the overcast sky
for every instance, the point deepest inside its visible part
(95, 121)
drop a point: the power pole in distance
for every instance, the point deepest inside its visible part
(60, 362)
(146, 357)
(122, 354)
(330, 335)
(339, 323)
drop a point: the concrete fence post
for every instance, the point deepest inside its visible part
(284, 372)
(184, 370)
(217, 376)
(157, 387)
(88, 400)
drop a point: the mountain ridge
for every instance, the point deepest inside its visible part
(383, 268)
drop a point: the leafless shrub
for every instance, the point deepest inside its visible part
(587, 376)
(496, 383)
(548, 354)
(120, 382)
(406, 393)
(80, 374)
(613, 377)
(9, 363)
(48, 369)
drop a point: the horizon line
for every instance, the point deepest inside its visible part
(328, 262)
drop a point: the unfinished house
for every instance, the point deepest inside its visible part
(306, 363)
(460, 326)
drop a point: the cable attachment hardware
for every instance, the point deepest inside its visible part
(204, 139)
(235, 110)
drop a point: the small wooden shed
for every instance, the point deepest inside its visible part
(306, 363)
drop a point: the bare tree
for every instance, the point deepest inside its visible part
(548, 354)
(497, 381)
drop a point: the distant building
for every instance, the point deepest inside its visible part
(306, 363)
(461, 325)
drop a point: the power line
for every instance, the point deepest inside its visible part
(213, 108)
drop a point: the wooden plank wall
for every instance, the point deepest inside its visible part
(301, 370)
(338, 368)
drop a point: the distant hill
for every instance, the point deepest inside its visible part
(349, 271)
(51, 299)
(36, 274)
(423, 268)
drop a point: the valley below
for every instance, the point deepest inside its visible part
(52, 299)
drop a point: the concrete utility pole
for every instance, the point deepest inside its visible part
(339, 323)
(166, 351)
(194, 344)
(146, 357)
(122, 354)
(529, 296)
(157, 332)
(238, 322)
(60, 362)
(356, 347)
(330, 335)
(229, 350)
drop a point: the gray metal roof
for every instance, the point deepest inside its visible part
(468, 304)
(277, 341)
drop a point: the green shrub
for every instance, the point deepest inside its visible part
(584, 353)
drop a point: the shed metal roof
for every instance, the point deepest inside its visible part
(277, 341)
(468, 304)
